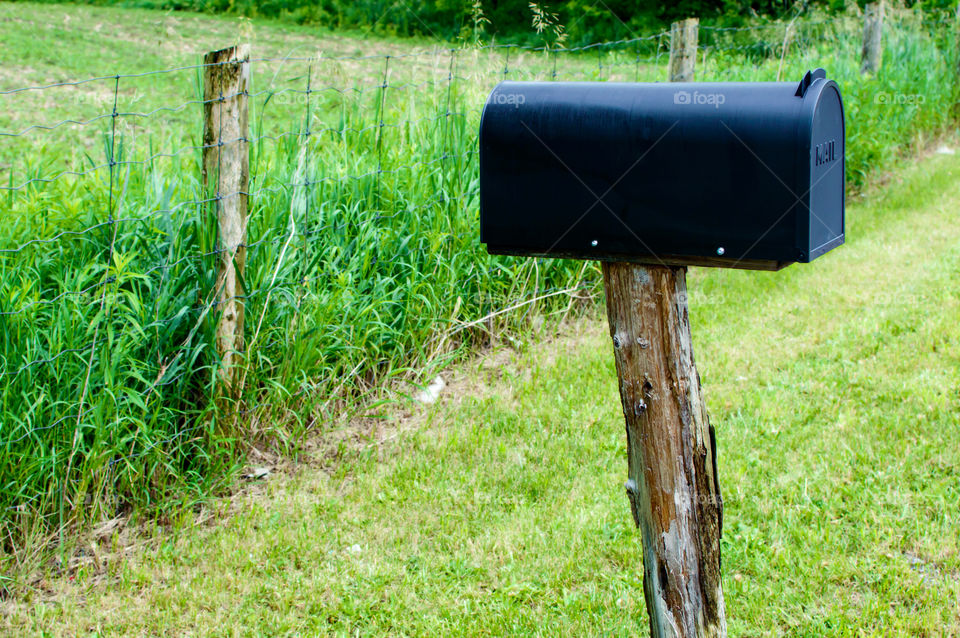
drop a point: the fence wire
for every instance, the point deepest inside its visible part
(363, 257)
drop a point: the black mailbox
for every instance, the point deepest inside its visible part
(746, 175)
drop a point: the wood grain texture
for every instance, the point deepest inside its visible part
(672, 481)
(226, 171)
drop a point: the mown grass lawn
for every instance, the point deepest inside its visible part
(835, 389)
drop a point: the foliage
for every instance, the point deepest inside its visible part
(364, 263)
(501, 510)
(509, 20)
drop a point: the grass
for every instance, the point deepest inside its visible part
(835, 389)
(363, 267)
(349, 277)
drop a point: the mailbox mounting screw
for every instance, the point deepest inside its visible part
(720, 250)
(594, 242)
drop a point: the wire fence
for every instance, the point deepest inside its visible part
(362, 255)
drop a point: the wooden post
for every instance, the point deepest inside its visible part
(226, 171)
(671, 451)
(872, 54)
(955, 111)
(671, 454)
(683, 49)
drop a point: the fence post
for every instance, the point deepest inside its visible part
(226, 171)
(955, 111)
(671, 451)
(872, 54)
(683, 49)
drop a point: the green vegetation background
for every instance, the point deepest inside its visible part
(363, 278)
(584, 20)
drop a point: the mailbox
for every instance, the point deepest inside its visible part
(737, 174)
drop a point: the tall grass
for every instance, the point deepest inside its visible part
(364, 263)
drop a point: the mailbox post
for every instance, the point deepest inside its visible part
(650, 179)
(672, 480)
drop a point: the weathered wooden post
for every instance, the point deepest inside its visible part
(650, 179)
(671, 452)
(956, 36)
(683, 49)
(872, 54)
(226, 170)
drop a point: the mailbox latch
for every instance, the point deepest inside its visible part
(816, 74)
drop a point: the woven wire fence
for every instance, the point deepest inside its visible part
(363, 257)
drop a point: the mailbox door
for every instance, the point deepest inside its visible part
(824, 225)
